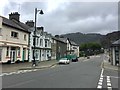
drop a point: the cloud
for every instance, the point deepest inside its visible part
(67, 17)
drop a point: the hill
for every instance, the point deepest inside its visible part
(109, 38)
(80, 38)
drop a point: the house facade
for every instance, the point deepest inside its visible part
(54, 48)
(75, 48)
(42, 45)
(115, 53)
(13, 39)
(65, 47)
(60, 47)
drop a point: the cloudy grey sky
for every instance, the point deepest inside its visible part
(62, 16)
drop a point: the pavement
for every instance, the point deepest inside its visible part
(107, 65)
(6, 68)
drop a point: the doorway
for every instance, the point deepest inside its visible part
(13, 54)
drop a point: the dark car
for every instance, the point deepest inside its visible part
(75, 60)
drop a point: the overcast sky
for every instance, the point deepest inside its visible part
(67, 16)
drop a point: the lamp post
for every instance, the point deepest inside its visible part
(34, 40)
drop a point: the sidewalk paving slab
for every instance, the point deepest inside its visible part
(107, 65)
(26, 65)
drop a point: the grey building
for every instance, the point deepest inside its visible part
(115, 53)
(60, 47)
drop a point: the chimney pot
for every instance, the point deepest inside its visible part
(14, 16)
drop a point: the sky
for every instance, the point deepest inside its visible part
(67, 16)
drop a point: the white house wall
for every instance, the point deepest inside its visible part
(43, 51)
(7, 41)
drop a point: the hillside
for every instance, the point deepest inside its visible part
(110, 38)
(80, 38)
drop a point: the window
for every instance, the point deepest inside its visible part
(7, 52)
(45, 43)
(25, 37)
(48, 43)
(37, 41)
(37, 54)
(14, 34)
(41, 42)
(18, 51)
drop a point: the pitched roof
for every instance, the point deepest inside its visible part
(116, 42)
(60, 40)
(73, 43)
(15, 24)
(63, 40)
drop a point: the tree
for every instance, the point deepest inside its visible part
(90, 48)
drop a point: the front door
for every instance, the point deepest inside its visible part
(24, 54)
(12, 56)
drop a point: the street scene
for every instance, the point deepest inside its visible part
(51, 44)
(87, 71)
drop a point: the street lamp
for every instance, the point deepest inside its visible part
(34, 40)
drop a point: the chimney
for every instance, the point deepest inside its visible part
(40, 30)
(30, 23)
(14, 16)
(57, 36)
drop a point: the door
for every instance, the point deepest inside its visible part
(24, 54)
(12, 56)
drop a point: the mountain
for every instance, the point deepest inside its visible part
(110, 38)
(104, 40)
(80, 38)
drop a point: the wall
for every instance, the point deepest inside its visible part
(8, 41)
(61, 49)
(7, 36)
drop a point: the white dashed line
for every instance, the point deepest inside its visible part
(99, 87)
(109, 86)
(17, 72)
(100, 80)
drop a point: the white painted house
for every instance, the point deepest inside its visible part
(14, 37)
(42, 46)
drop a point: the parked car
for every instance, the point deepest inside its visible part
(75, 59)
(64, 61)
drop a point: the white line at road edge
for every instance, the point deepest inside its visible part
(101, 79)
(109, 86)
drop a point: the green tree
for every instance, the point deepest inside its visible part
(90, 48)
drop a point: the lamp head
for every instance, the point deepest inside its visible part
(41, 12)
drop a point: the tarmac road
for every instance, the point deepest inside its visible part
(83, 74)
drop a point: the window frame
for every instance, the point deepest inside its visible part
(14, 34)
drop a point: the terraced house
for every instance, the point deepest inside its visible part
(42, 44)
(14, 39)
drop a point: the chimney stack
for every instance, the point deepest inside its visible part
(14, 16)
(40, 30)
(30, 23)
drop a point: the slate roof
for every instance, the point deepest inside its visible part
(64, 40)
(15, 24)
(73, 43)
(116, 42)
(60, 40)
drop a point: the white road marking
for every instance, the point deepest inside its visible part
(114, 77)
(1, 75)
(100, 80)
(99, 86)
(100, 83)
(109, 86)
(17, 72)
